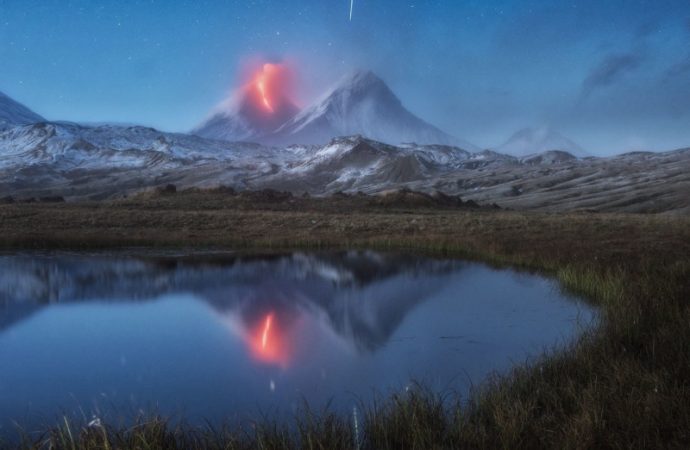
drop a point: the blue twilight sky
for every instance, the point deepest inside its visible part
(612, 75)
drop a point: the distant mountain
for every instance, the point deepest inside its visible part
(14, 113)
(361, 104)
(548, 157)
(530, 141)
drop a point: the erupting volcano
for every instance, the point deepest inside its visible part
(267, 95)
(258, 108)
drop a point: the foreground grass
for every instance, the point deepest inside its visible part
(624, 385)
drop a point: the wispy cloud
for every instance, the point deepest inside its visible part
(610, 70)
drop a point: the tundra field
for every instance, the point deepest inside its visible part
(624, 384)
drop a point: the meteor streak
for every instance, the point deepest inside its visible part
(352, 4)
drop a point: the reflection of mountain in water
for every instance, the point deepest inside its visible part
(364, 296)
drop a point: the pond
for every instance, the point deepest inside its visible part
(220, 337)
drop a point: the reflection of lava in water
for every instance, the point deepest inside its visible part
(267, 329)
(267, 342)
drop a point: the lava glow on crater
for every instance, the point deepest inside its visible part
(268, 94)
(261, 82)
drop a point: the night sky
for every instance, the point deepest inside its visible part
(611, 75)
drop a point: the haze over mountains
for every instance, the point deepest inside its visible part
(41, 159)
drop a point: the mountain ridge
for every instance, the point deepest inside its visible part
(107, 162)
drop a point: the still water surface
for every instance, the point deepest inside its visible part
(219, 337)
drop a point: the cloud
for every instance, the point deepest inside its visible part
(611, 69)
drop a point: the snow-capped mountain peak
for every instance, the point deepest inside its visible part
(356, 86)
(361, 103)
(353, 89)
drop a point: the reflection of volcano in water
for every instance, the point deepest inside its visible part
(361, 296)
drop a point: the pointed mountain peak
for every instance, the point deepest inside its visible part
(361, 78)
(361, 83)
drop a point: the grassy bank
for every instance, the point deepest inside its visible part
(625, 384)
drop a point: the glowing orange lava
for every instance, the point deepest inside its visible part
(261, 85)
(269, 88)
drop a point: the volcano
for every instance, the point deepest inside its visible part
(360, 104)
(258, 108)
